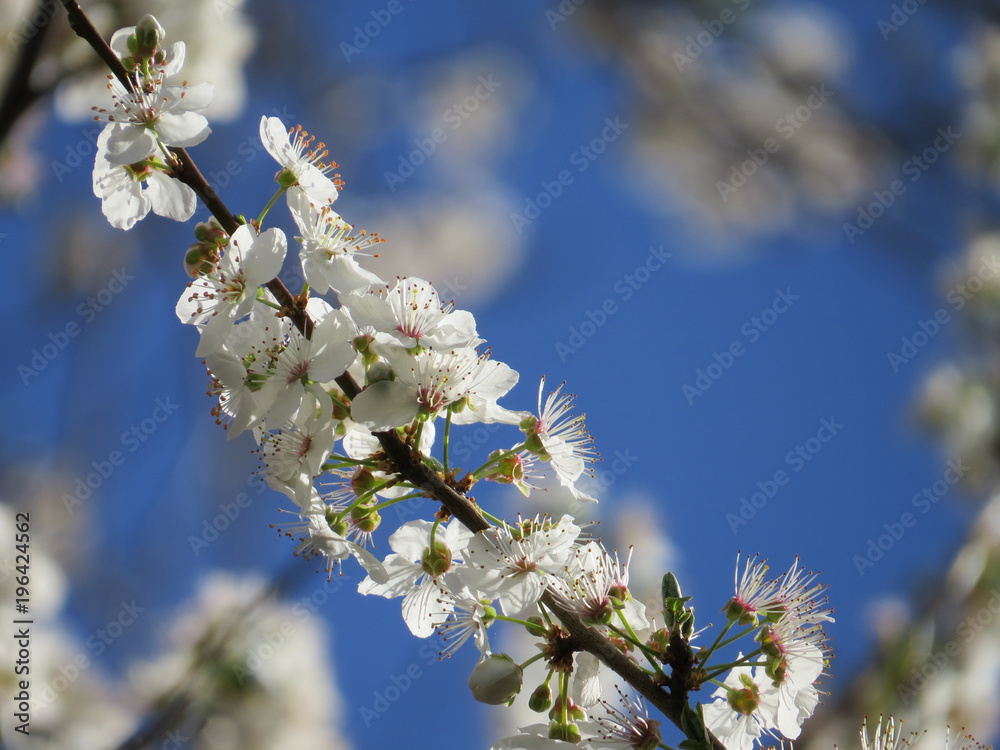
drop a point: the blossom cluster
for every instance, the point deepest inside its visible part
(324, 389)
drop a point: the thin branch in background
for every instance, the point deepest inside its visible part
(19, 95)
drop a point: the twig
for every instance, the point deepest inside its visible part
(404, 458)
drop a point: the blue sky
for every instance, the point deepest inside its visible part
(812, 315)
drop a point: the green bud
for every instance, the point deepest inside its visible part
(148, 35)
(541, 699)
(369, 522)
(565, 732)
(437, 561)
(537, 626)
(286, 178)
(363, 481)
(534, 444)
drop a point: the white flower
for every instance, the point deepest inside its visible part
(741, 710)
(534, 737)
(300, 449)
(239, 368)
(324, 540)
(631, 729)
(755, 595)
(513, 562)
(329, 248)
(887, 736)
(153, 114)
(129, 191)
(595, 586)
(432, 381)
(409, 576)
(170, 59)
(560, 438)
(470, 616)
(411, 314)
(216, 301)
(301, 167)
(302, 365)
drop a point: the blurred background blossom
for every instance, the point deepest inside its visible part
(757, 143)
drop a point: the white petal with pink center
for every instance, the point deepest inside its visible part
(216, 301)
(296, 155)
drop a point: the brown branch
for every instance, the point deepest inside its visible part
(404, 458)
(19, 95)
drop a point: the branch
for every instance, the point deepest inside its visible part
(19, 95)
(405, 459)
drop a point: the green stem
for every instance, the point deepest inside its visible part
(632, 638)
(267, 302)
(491, 518)
(447, 437)
(387, 503)
(480, 472)
(274, 199)
(533, 659)
(516, 621)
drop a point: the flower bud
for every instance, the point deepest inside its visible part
(362, 481)
(537, 626)
(194, 262)
(541, 699)
(737, 612)
(659, 642)
(575, 712)
(744, 701)
(565, 732)
(369, 521)
(437, 561)
(148, 35)
(496, 679)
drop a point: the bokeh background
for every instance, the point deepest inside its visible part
(624, 193)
